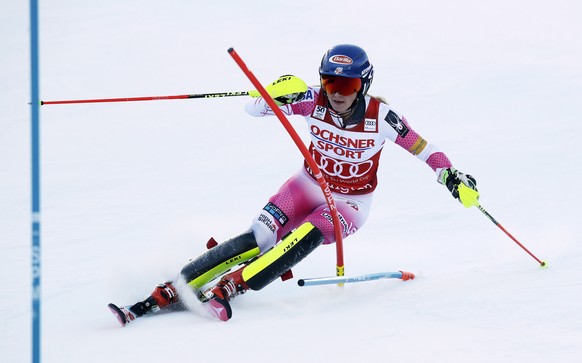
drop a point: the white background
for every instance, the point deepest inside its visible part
(131, 191)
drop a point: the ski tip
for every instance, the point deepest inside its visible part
(118, 314)
(230, 50)
(123, 314)
(220, 308)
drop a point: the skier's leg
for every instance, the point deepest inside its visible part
(220, 259)
(163, 295)
(297, 195)
(265, 269)
(317, 229)
(285, 211)
(281, 258)
(353, 212)
(211, 264)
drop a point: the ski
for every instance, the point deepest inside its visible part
(217, 307)
(220, 308)
(123, 314)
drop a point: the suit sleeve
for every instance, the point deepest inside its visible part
(258, 107)
(402, 134)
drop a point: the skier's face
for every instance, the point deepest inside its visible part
(339, 102)
(341, 91)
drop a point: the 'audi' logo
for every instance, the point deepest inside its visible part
(342, 169)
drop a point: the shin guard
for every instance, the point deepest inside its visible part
(220, 259)
(281, 258)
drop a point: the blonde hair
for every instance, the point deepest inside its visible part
(379, 98)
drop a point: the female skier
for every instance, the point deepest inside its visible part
(348, 129)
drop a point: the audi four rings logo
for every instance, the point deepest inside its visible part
(343, 169)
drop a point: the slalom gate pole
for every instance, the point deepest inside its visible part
(362, 278)
(148, 98)
(542, 263)
(35, 182)
(308, 158)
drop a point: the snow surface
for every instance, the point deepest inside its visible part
(130, 191)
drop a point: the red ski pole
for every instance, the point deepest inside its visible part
(542, 263)
(470, 197)
(148, 98)
(308, 158)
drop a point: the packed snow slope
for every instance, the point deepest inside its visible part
(131, 191)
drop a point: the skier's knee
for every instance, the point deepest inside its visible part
(266, 225)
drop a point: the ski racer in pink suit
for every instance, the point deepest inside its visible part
(347, 150)
(348, 131)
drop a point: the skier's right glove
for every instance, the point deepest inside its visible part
(285, 90)
(462, 186)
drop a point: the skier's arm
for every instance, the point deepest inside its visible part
(466, 193)
(289, 92)
(403, 135)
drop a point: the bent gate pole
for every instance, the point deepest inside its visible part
(308, 158)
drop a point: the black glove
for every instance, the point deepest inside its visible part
(290, 98)
(453, 178)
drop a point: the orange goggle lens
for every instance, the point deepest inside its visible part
(342, 85)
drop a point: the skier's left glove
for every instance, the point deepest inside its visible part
(285, 90)
(462, 186)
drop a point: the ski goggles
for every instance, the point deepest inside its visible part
(342, 85)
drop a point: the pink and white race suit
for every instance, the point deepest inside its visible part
(348, 157)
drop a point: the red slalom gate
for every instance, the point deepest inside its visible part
(308, 158)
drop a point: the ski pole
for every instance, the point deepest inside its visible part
(542, 263)
(149, 98)
(470, 197)
(403, 275)
(306, 155)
